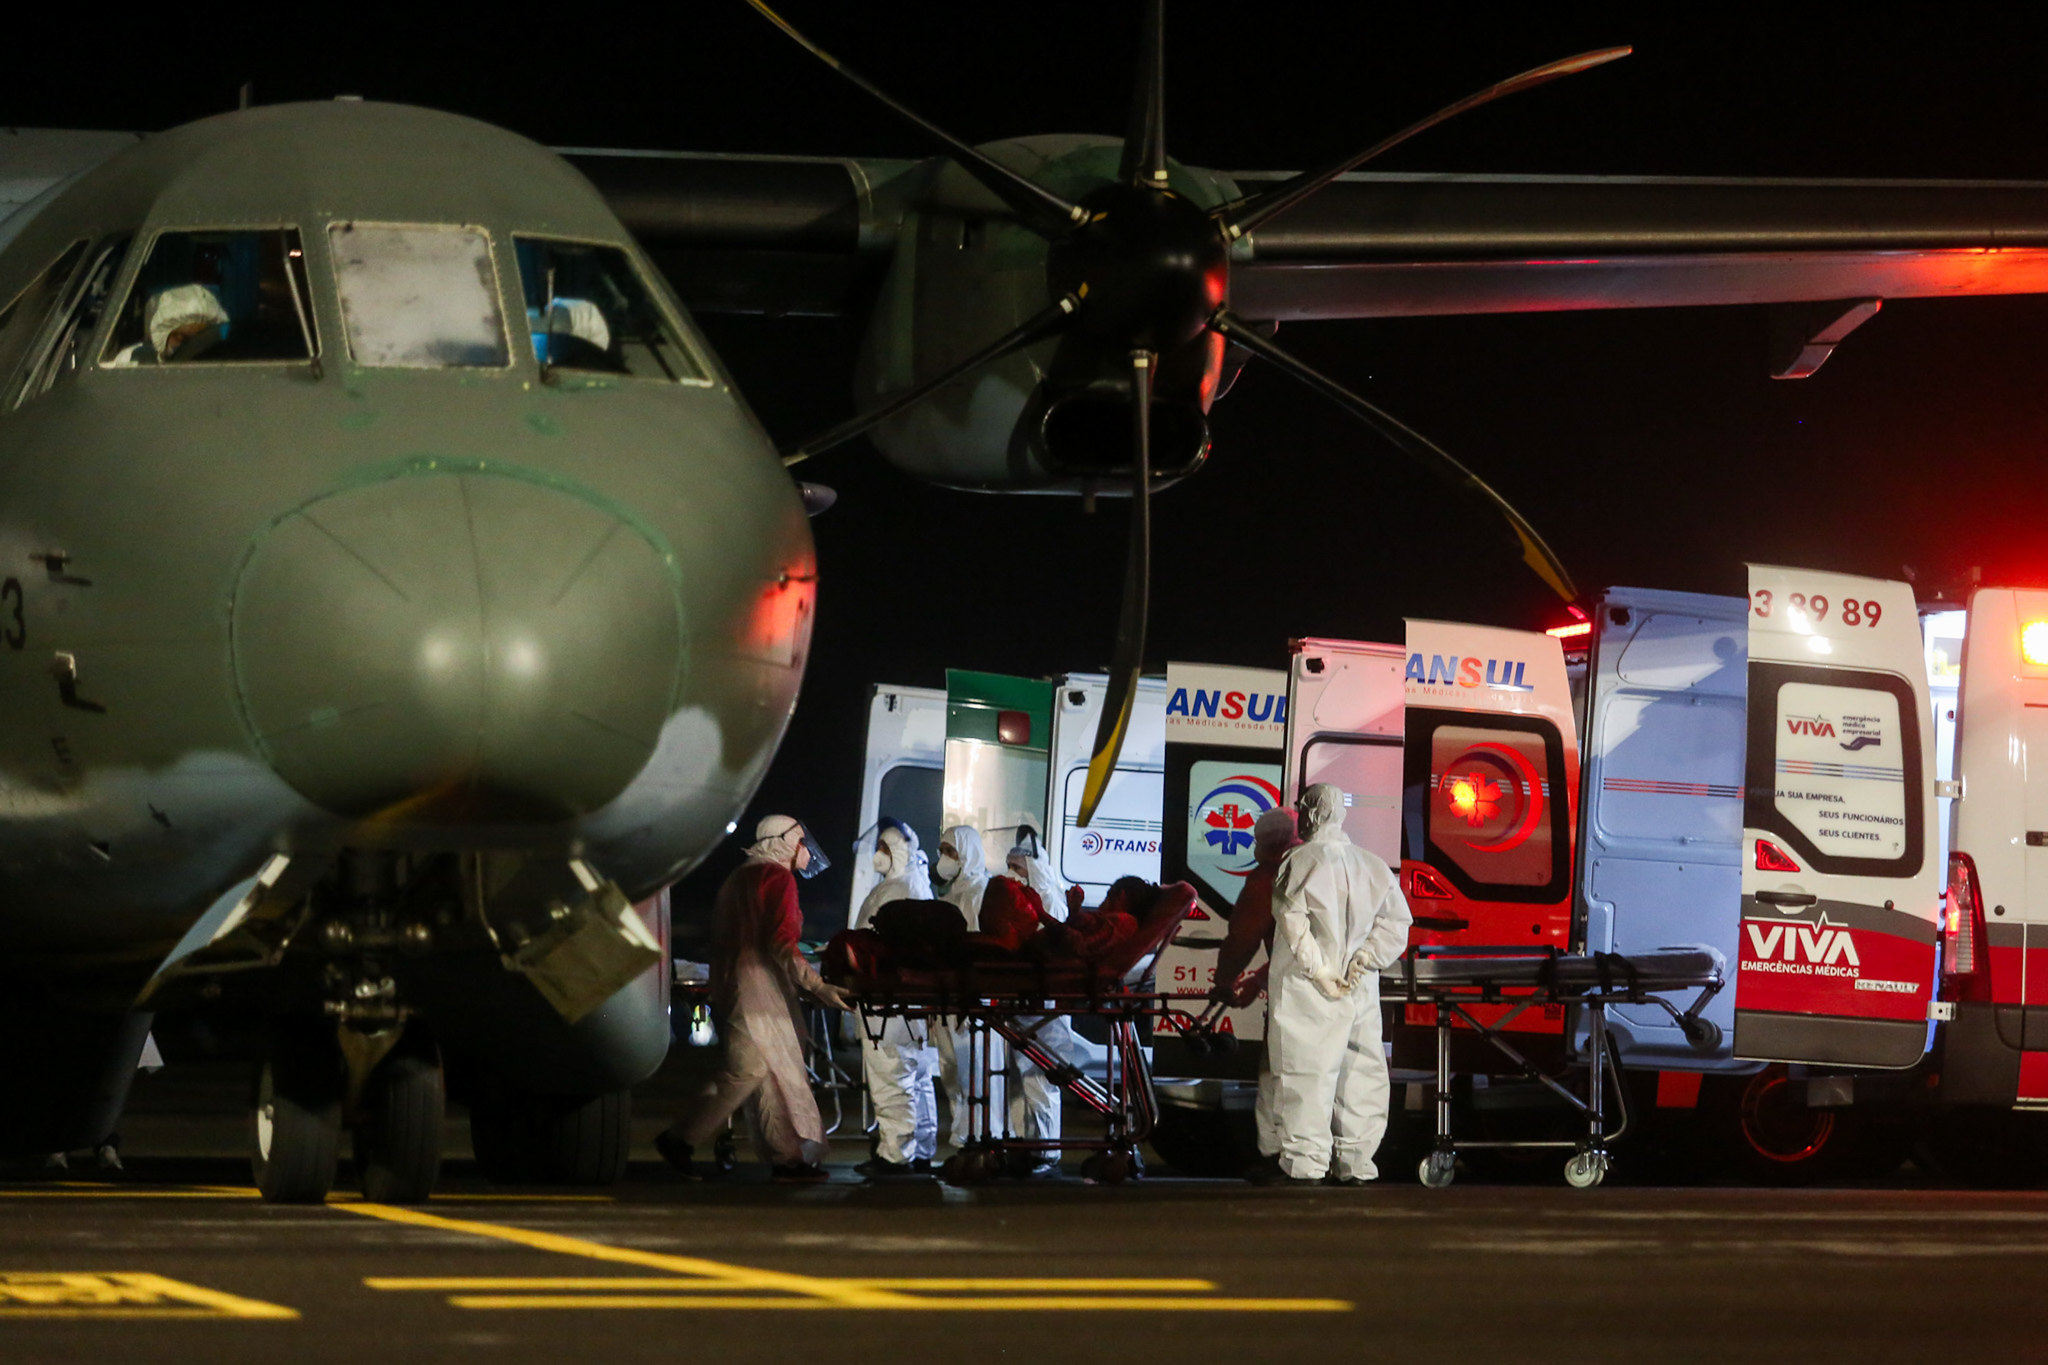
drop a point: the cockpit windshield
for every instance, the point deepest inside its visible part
(214, 297)
(588, 309)
(418, 297)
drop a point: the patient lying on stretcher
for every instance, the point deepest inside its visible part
(1015, 932)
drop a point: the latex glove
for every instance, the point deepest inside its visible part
(1248, 989)
(1359, 968)
(1332, 987)
(829, 994)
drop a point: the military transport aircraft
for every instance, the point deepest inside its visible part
(397, 594)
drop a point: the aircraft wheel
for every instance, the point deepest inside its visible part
(1585, 1170)
(524, 1138)
(1438, 1170)
(297, 1118)
(398, 1135)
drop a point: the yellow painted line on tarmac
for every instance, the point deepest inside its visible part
(81, 1190)
(712, 1284)
(735, 1277)
(1064, 1303)
(474, 1284)
(121, 1294)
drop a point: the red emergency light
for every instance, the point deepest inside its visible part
(1570, 631)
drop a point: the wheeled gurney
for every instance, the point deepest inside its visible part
(1455, 979)
(1012, 997)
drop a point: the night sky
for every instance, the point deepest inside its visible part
(1650, 447)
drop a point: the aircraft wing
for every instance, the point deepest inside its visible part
(760, 234)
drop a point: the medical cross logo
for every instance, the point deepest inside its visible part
(1224, 817)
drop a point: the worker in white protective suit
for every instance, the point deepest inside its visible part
(757, 971)
(1034, 1097)
(901, 1064)
(1339, 917)
(963, 877)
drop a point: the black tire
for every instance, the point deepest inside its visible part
(1769, 1134)
(1984, 1149)
(523, 1138)
(1210, 1144)
(501, 1133)
(586, 1140)
(398, 1133)
(296, 1119)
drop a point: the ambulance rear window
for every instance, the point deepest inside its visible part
(1834, 768)
(1485, 804)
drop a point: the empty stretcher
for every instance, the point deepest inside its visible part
(1456, 979)
(1011, 995)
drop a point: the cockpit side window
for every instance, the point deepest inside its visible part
(216, 297)
(64, 341)
(588, 309)
(22, 318)
(418, 297)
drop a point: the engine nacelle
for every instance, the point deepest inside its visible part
(1054, 417)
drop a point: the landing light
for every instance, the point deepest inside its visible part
(2034, 642)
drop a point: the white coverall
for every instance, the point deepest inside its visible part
(1339, 917)
(900, 1066)
(1035, 1099)
(950, 1037)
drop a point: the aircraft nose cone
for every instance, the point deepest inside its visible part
(456, 646)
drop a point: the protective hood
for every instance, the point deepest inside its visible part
(966, 840)
(1052, 897)
(191, 306)
(1273, 834)
(899, 844)
(1322, 812)
(777, 839)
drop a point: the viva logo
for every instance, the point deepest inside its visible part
(1821, 944)
(1810, 725)
(1498, 675)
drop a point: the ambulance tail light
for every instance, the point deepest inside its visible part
(1965, 956)
(1771, 858)
(1426, 883)
(2034, 642)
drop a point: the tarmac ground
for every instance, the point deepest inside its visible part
(176, 1260)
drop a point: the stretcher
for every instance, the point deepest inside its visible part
(1455, 980)
(1010, 999)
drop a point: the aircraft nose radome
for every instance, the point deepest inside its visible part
(456, 646)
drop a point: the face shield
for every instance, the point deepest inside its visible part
(817, 862)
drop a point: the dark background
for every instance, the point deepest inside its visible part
(1651, 447)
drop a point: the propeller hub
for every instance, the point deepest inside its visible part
(1148, 266)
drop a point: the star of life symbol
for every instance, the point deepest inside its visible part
(1230, 829)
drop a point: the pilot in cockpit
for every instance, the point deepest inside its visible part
(179, 323)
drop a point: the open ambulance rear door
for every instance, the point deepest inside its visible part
(1123, 838)
(1346, 713)
(902, 778)
(1840, 892)
(1491, 789)
(1225, 730)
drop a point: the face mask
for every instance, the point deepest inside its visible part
(949, 867)
(881, 861)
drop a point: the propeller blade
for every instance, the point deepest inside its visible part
(1033, 329)
(1041, 209)
(1144, 159)
(1129, 660)
(1243, 217)
(1535, 552)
